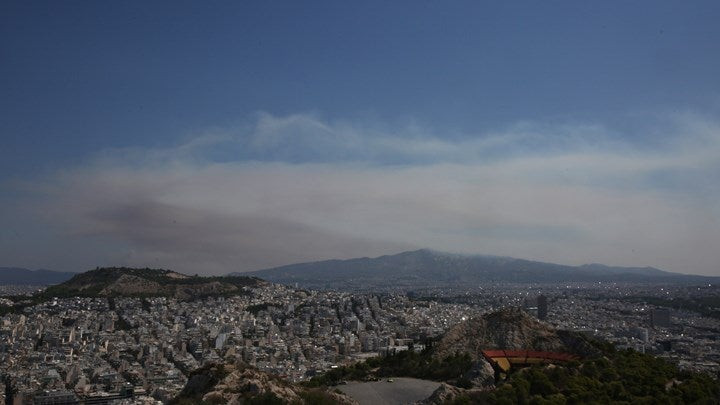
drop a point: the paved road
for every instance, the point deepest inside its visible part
(402, 391)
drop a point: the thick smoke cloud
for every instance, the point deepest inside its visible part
(297, 188)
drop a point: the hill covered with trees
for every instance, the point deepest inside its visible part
(600, 374)
(134, 282)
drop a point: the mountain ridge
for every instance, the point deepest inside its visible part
(425, 268)
(20, 276)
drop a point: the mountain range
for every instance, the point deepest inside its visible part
(19, 276)
(428, 268)
(406, 271)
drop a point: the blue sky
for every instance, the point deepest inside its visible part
(283, 131)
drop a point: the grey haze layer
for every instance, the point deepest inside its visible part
(427, 268)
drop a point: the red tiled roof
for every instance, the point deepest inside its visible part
(529, 354)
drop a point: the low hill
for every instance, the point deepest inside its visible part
(509, 329)
(20, 276)
(123, 281)
(427, 268)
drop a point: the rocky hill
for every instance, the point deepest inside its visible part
(234, 382)
(427, 268)
(122, 281)
(509, 329)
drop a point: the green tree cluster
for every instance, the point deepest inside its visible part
(624, 377)
(406, 363)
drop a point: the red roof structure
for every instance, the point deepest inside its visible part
(506, 358)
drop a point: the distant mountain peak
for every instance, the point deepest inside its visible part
(18, 276)
(430, 268)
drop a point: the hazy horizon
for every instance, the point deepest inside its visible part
(246, 136)
(348, 258)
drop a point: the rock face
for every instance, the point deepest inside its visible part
(481, 375)
(444, 394)
(243, 383)
(509, 329)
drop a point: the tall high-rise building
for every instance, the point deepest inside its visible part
(542, 307)
(660, 317)
(537, 306)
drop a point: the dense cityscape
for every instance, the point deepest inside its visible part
(107, 349)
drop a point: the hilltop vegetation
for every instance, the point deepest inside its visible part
(624, 377)
(123, 281)
(621, 377)
(403, 364)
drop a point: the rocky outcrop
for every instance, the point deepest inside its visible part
(248, 382)
(481, 374)
(509, 329)
(236, 382)
(444, 394)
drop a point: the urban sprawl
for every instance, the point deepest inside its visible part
(141, 350)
